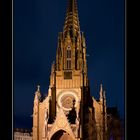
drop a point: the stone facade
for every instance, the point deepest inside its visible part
(69, 112)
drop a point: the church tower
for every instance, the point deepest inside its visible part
(69, 112)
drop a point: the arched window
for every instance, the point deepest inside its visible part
(68, 59)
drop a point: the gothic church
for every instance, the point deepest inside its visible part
(69, 112)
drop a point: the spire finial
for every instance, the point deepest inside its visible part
(72, 20)
(101, 87)
(101, 92)
(104, 94)
(38, 88)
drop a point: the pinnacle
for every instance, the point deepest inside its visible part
(38, 88)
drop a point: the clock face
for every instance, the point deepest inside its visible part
(67, 100)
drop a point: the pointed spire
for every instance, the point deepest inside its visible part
(53, 67)
(37, 93)
(72, 21)
(101, 88)
(104, 95)
(38, 88)
(101, 92)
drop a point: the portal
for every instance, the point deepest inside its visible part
(61, 135)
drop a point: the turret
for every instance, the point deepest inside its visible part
(105, 111)
(36, 114)
(101, 93)
(52, 76)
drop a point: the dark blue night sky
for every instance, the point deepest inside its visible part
(36, 27)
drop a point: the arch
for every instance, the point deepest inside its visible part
(61, 135)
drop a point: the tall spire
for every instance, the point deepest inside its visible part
(71, 24)
(101, 92)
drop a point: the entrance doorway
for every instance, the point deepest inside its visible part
(61, 135)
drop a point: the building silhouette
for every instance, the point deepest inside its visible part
(22, 134)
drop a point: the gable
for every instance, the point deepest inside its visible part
(61, 123)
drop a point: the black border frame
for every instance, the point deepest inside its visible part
(6, 70)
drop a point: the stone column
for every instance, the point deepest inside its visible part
(77, 119)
